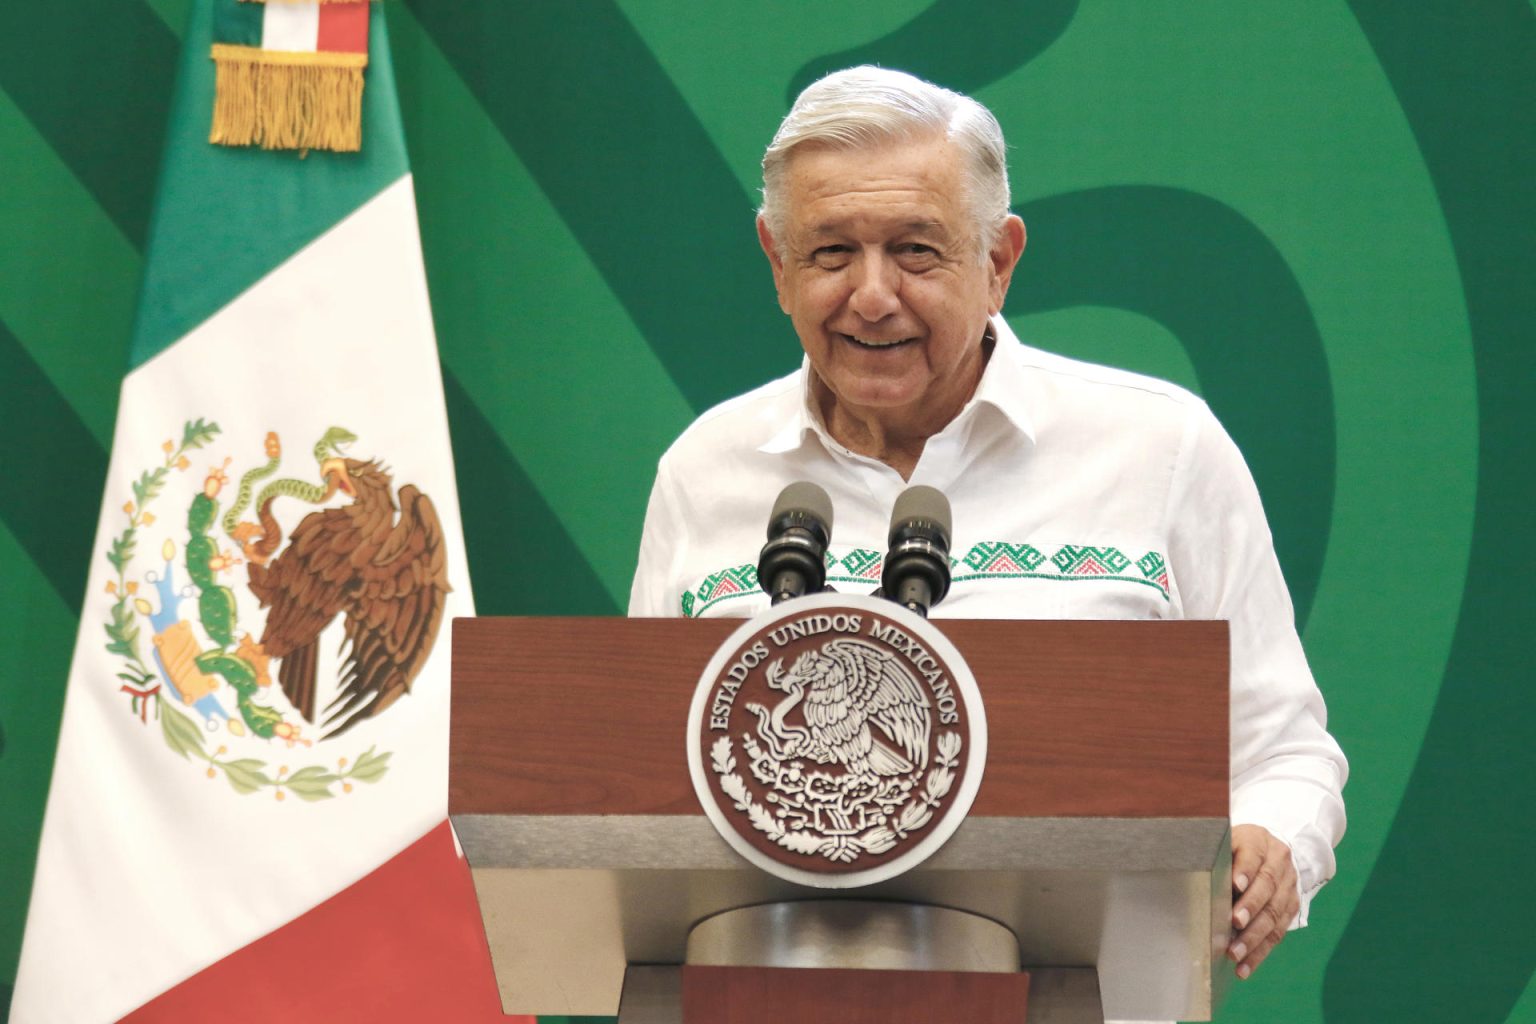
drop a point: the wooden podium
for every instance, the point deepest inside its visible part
(1099, 835)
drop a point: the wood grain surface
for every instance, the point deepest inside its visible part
(775, 995)
(1085, 718)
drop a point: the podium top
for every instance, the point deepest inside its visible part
(587, 716)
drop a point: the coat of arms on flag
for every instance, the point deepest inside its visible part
(349, 568)
(290, 73)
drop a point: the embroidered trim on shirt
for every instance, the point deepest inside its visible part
(986, 560)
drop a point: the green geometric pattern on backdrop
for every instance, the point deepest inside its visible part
(1470, 127)
(1312, 212)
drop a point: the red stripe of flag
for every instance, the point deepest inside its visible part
(401, 946)
(343, 28)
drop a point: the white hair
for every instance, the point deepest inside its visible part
(866, 107)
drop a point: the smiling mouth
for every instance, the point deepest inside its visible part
(877, 342)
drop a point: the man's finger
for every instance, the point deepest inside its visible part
(1254, 899)
(1250, 950)
(1265, 926)
(1245, 864)
(1264, 879)
(1272, 890)
(1251, 960)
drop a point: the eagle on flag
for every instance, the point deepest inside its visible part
(387, 576)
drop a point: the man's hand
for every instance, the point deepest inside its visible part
(1264, 895)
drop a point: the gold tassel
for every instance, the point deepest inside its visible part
(277, 99)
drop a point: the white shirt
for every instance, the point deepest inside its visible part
(1078, 492)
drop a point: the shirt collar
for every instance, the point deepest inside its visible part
(1001, 387)
(804, 421)
(1002, 383)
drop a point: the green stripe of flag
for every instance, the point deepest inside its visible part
(238, 22)
(241, 212)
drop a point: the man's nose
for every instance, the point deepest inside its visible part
(876, 287)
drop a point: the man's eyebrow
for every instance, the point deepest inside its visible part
(826, 229)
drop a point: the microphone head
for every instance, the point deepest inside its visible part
(803, 503)
(792, 562)
(921, 507)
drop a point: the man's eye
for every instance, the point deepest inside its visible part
(916, 256)
(831, 257)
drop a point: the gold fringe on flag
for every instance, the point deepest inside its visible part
(304, 1)
(277, 99)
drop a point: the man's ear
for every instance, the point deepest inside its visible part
(775, 259)
(1003, 257)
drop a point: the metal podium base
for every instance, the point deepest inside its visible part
(858, 934)
(853, 933)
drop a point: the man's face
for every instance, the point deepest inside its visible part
(880, 272)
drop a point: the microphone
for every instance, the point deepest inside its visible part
(916, 574)
(793, 562)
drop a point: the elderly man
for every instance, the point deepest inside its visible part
(1078, 491)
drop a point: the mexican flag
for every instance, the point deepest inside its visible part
(246, 817)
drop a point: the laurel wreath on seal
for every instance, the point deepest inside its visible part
(915, 814)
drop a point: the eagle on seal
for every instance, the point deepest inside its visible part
(846, 686)
(387, 576)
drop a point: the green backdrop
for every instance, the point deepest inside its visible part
(1318, 214)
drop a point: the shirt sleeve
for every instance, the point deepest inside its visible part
(1288, 773)
(656, 591)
